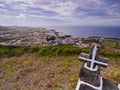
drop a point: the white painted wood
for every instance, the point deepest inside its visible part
(97, 62)
(93, 60)
(94, 69)
(78, 85)
(119, 86)
(90, 85)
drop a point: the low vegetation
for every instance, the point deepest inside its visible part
(30, 72)
(4, 39)
(9, 51)
(48, 68)
(109, 43)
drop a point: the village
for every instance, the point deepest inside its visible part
(27, 36)
(42, 38)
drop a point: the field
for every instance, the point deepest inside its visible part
(109, 43)
(48, 68)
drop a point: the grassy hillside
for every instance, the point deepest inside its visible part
(48, 68)
(2, 28)
(9, 51)
(109, 43)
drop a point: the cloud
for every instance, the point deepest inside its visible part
(2, 5)
(65, 8)
(21, 16)
(3, 11)
(20, 6)
(76, 11)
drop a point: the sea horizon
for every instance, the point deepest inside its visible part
(86, 31)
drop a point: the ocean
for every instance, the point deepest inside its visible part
(86, 31)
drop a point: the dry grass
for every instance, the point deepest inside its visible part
(30, 72)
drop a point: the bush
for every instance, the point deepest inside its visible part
(9, 51)
(110, 54)
(109, 43)
(59, 51)
(4, 52)
(34, 49)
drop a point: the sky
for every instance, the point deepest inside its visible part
(60, 12)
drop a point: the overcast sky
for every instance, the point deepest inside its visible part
(60, 12)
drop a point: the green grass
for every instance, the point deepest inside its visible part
(109, 43)
(9, 51)
(48, 68)
(47, 72)
(34, 72)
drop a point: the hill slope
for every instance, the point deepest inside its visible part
(3, 28)
(30, 72)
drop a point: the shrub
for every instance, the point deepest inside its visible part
(34, 49)
(59, 51)
(8, 51)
